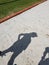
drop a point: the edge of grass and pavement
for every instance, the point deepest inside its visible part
(19, 12)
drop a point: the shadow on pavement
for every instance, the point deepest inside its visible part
(21, 44)
(45, 61)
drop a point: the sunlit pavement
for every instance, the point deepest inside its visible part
(34, 20)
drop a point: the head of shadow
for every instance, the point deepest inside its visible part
(21, 44)
(44, 60)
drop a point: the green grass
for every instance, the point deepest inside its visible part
(9, 6)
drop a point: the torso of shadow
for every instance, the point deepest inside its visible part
(20, 44)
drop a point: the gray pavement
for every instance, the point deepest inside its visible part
(17, 43)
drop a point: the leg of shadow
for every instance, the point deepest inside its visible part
(20, 45)
(15, 64)
(0, 52)
(44, 61)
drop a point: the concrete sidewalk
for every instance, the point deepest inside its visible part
(34, 20)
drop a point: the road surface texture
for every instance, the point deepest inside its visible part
(24, 39)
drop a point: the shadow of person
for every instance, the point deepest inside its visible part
(20, 45)
(45, 61)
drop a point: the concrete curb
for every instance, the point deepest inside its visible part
(17, 13)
